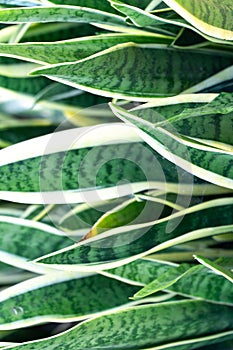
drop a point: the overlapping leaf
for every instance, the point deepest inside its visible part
(136, 327)
(75, 49)
(61, 297)
(204, 120)
(129, 242)
(185, 279)
(195, 17)
(91, 154)
(207, 163)
(58, 13)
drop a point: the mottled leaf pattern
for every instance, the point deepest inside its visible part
(138, 73)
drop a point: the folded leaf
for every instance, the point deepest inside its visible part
(142, 18)
(164, 281)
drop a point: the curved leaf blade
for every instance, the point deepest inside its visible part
(46, 174)
(27, 239)
(122, 245)
(57, 13)
(137, 73)
(101, 331)
(61, 297)
(206, 163)
(195, 282)
(75, 49)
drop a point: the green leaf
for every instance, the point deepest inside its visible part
(215, 267)
(85, 215)
(137, 72)
(164, 281)
(32, 171)
(57, 13)
(75, 49)
(61, 297)
(27, 239)
(157, 20)
(131, 242)
(191, 281)
(141, 17)
(130, 212)
(209, 164)
(124, 330)
(204, 120)
(210, 17)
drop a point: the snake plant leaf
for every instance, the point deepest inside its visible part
(139, 17)
(133, 211)
(156, 19)
(62, 297)
(107, 331)
(211, 120)
(191, 281)
(207, 163)
(219, 346)
(24, 84)
(57, 13)
(85, 215)
(220, 341)
(142, 76)
(142, 18)
(76, 49)
(28, 239)
(215, 267)
(39, 170)
(164, 281)
(212, 18)
(121, 245)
